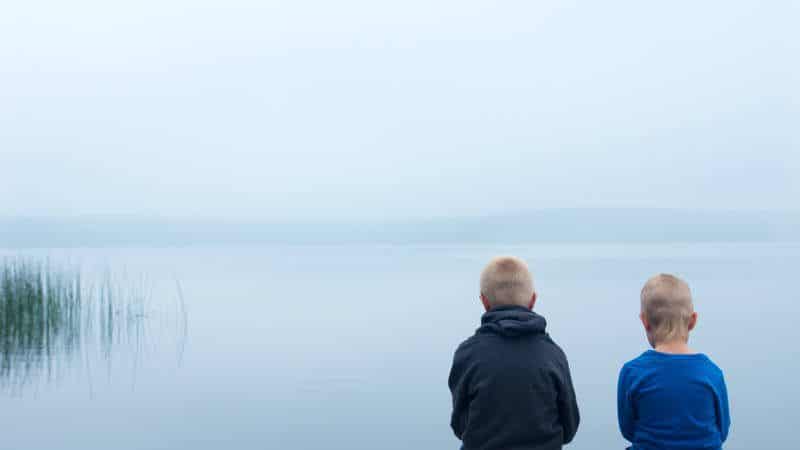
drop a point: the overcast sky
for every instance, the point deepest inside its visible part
(366, 109)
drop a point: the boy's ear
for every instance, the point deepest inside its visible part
(486, 305)
(644, 322)
(692, 321)
(533, 300)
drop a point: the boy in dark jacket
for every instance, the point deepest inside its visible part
(510, 382)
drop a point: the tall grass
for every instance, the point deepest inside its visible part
(48, 313)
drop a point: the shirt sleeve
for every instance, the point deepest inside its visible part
(568, 406)
(722, 409)
(626, 414)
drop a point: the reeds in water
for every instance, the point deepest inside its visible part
(48, 313)
(40, 314)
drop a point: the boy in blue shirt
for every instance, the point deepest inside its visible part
(671, 397)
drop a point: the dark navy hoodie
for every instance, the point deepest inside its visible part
(511, 385)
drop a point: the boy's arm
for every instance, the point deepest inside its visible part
(723, 412)
(625, 408)
(459, 388)
(568, 406)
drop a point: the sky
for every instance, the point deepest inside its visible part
(351, 110)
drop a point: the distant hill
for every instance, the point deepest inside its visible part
(554, 225)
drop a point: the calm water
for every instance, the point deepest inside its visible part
(350, 347)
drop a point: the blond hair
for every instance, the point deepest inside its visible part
(667, 307)
(506, 280)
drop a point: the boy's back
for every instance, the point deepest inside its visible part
(673, 401)
(671, 397)
(511, 385)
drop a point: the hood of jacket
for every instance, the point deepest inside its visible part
(512, 321)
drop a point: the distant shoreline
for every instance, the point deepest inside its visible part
(589, 226)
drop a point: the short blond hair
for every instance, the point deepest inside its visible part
(506, 280)
(667, 306)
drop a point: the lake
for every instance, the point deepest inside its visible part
(310, 347)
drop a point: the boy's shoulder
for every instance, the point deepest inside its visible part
(652, 359)
(472, 344)
(634, 365)
(712, 367)
(645, 358)
(485, 344)
(481, 336)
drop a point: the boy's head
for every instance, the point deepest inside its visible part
(506, 281)
(667, 311)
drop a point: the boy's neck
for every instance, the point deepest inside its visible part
(673, 347)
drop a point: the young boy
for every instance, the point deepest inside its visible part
(510, 382)
(671, 397)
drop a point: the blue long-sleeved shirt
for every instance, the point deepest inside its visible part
(668, 401)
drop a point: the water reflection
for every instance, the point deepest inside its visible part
(52, 319)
